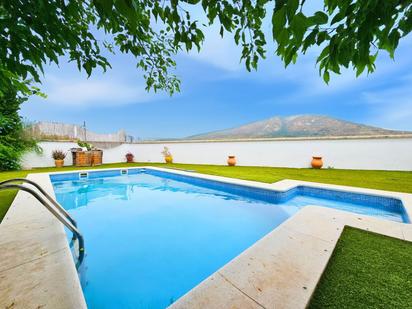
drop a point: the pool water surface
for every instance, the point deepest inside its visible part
(151, 238)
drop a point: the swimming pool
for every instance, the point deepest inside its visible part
(151, 236)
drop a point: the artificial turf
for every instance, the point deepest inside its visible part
(366, 270)
(383, 180)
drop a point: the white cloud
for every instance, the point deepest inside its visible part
(91, 92)
(392, 107)
(398, 95)
(219, 52)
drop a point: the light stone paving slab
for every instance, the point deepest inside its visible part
(37, 268)
(407, 232)
(34, 241)
(45, 282)
(273, 274)
(215, 291)
(279, 271)
(23, 214)
(331, 224)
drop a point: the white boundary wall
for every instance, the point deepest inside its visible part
(376, 154)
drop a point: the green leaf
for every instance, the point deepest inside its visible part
(88, 68)
(298, 27)
(326, 77)
(278, 21)
(337, 18)
(322, 36)
(310, 40)
(360, 69)
(291, 7)
(106, 5)
(320, 18)
(237, 36)
(283, 37)
(323, 54)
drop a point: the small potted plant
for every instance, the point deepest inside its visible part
(167, 155)
(86, 145)
(129, 157)
(58, 156)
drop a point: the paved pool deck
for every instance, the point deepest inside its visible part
(279, 271)
(37, 269)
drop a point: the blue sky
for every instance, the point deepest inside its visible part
(218, 93)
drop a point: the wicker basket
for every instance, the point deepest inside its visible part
(97, 157)
(82, 158)
(87, 158)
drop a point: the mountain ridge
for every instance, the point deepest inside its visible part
(298, 126)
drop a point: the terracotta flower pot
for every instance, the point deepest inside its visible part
(169, 159)
(317, 162)
(129, 158)
(231, 161)
(59, 163)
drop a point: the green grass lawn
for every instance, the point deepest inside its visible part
(384, 180)
(366, 270)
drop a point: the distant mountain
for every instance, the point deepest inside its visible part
(298, 126)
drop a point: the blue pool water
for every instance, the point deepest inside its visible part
(152, 236)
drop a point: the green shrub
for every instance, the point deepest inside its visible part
(14, 140)
(85, 145)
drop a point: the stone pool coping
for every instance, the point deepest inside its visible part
(280, 270)
(37, 268)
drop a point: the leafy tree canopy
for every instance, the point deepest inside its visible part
(350, 33)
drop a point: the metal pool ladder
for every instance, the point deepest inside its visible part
(56, 209)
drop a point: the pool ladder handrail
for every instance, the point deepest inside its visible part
(58, 211)
(42, 191)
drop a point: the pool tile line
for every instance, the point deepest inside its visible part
(288, 185)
